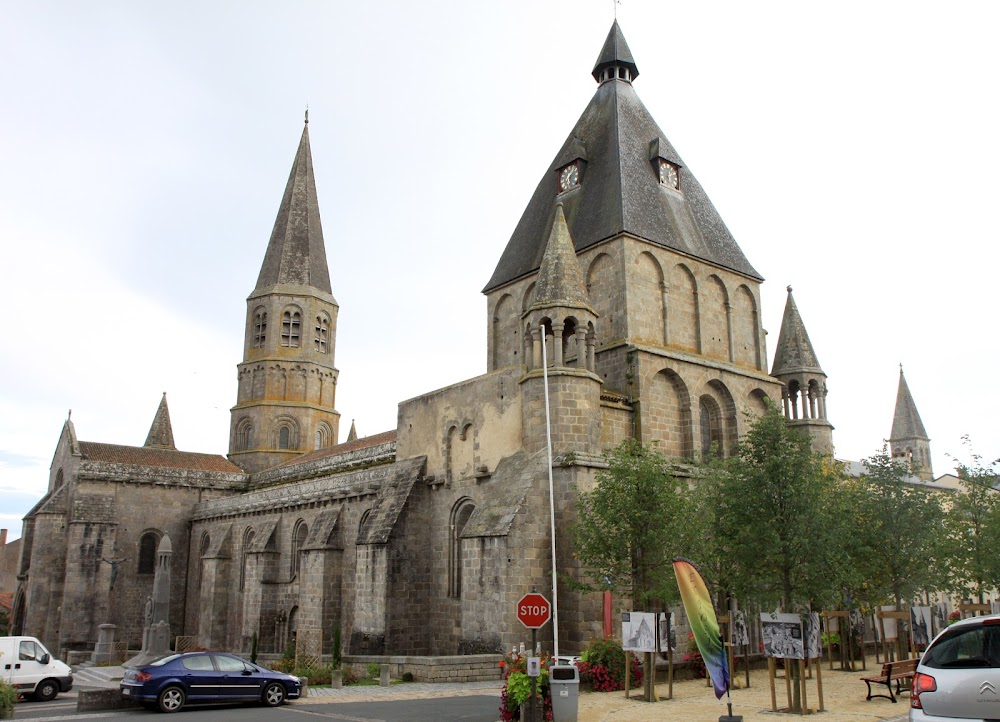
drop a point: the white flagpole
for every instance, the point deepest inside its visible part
(552, 502)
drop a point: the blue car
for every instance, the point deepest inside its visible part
(206, 678)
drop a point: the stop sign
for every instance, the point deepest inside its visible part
(534, 610)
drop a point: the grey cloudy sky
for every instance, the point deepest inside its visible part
(850, 148)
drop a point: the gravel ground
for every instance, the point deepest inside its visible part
(843, 699)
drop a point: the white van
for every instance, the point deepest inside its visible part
(28, 667)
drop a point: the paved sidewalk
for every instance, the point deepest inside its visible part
(843, 697)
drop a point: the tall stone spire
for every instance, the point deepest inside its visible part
(803, 393)
(908, 439)
(296, 254)
(287, 380)
(161, 433)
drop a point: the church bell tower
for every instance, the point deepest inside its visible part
(287, 380)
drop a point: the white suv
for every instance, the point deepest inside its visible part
(958, 678)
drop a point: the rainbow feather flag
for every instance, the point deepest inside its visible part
(704, 624)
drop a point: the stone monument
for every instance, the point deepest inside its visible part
(156, 621)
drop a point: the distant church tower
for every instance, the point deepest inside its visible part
(804, 394)
(908, 439)
(287, 380)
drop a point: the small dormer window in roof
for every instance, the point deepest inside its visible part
(569, 177)
(669, 174)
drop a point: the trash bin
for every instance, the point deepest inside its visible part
(564, 685)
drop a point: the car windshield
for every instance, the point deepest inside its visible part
(966, 647)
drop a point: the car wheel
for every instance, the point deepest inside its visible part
(274, 694)
(171, 699)
(47, 689)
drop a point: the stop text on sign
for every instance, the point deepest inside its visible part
(534, 610)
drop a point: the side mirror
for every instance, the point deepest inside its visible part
(45, 659)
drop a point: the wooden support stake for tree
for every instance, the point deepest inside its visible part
(819, 683)
(788, 682)
(670, 673)
(770, 679)
(802, 686)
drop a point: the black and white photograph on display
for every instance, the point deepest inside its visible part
(939, 614)
(920, 625)
(888, 624)
(639, 631)
(782, 635)
(667, 624)
(814, 647)
(857, 621)
(740, 633)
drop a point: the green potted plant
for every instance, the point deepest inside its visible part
(8, 698)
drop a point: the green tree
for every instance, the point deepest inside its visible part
(900, 525)
(973, 525)
(629, 526)
(774, 519)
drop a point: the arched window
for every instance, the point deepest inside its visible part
(291, 323)
(711, 427)
(147, 552)
(204, 543)
(59, 478)
(245, 561)
(283, 437)
(299, 535)
(460, 514)
(322, 338)
(244, 435)
(259, 328)
(321, 439)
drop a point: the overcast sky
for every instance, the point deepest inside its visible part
(851, 148)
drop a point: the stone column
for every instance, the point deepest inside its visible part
(581, 347)
(666, 313)
(557, 346)
(729, 332)
(536, 347)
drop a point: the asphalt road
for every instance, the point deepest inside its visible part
(479, 708)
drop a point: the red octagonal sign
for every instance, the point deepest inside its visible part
(534, 610)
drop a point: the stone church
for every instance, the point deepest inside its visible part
(620, 277)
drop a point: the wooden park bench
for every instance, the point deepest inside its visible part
(897, 672)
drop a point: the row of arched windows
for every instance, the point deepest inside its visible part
(291, 330)
(285, 435)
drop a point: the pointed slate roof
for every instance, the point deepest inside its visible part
(296, 253)
(560, 281)
(906, 423)
(615, 52)
(794, 353)
(161, 433)
(619, 189)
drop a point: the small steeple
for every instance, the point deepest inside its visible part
(908, 439)
(803, 392)
(296, 253)
(353, 434)
(615, 59)
(560, 281)
(794, 352)
(906, 423)
(161, 434)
